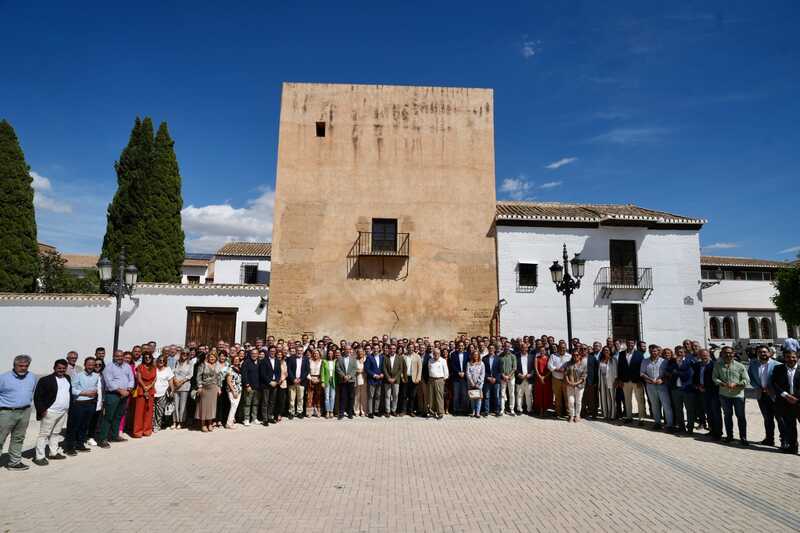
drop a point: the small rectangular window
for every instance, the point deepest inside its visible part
(527, 277)
(320, 129)
(384, 234)
(193, 279)
(249, 274)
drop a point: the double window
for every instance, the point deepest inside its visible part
(384, 234)
(248, 273)
(527, 277)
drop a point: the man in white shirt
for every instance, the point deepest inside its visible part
(786, 384)
(51, 400)
(437, 374)
(556, 365)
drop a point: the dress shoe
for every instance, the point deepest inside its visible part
(57, 457)
(657, 427)
(82, 449)
(41, 462)
(727, 439)
(71, 452)
(103, 444)
(767, 442)
(118, 439)
(744, 442)
(370, 415)
(350, 416)
(20, 466)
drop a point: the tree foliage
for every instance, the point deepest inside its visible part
(787, 298)
(54, 277)
(18, 246)
(144, 216)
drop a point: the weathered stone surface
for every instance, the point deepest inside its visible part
(422, 155)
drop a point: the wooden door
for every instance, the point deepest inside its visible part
(625, 321)
(622, 257)
(208, 325)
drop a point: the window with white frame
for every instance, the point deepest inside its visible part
(248, 273)
(527, 276)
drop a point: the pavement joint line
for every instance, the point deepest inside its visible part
(748, 499)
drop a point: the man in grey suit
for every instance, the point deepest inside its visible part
(346, 367)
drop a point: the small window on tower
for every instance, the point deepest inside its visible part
(320, 129)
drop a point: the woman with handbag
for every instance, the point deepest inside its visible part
(207, 392)
(476, 373)
(184, 369)
(163, 391)
(233, 382)
(144, 397)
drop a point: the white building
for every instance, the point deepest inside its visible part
(642, 277)
(46, 326)
(243, 262)
(739, 310)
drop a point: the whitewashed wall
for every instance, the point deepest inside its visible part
(200, 271)
(228, 269)
(742, 299)
(672, 312)
(46, 327)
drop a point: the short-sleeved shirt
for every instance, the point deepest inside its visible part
(163, 376)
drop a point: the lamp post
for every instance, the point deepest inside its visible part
(567, 284)
(118, 287)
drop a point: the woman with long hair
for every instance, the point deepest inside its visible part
(476, 373)
(163, 390)
(542, 388)
(313, 389)
(328, 380)
(207, 392)
(607, 373)
(282, 396)
(575, 380)
(233, 382)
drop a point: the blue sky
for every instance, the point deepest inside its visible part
(687, 107)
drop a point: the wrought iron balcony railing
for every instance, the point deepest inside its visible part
(381, 244)
(610, 278)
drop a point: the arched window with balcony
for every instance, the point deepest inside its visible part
(713, 327)
(752, 327)
(766, 328)
(727, 328)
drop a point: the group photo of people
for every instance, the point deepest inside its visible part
(92, 402)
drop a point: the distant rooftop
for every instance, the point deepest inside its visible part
(722, 261)
(621, 214)
(249, 249)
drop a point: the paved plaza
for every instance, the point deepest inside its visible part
(457, 474)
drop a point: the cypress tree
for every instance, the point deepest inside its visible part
(165, 230)
(145, 214)
(124, 226)
(18, 248)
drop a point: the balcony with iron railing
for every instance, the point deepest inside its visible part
(611, 279)
(380, 244)
(379, 255)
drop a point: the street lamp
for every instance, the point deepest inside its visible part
(567, 284)
(118, 287)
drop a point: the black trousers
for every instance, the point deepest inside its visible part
(767, 407)
(80, 414)
(789, 419)
(344, 398)
(408, 397)
(269, 398)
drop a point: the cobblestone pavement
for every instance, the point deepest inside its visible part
(457, 474)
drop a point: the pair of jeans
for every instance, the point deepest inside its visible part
(729, 406)
(181, 400)
(459, 396)
(682, 399)
(50, 432)
(510, 389)
(330, 398)
(476, 406)
(659, 398)
(391, 393)
(574, 400)
(80, 413)
(491, 397)
(234, 405)
(374, 399)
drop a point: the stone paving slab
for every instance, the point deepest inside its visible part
(457, 474)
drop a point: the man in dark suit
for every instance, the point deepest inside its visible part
(491, 384)
(457, 365)
(297, 367)
(629, 374)
(251, 387)
(51, 399)
(373, 367)
(269, 376)
(346, 375)
(786, 384)
(526, 374)
(590, 392)
(704, 383)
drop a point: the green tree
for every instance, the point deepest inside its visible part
(787, 298)
(54, 277)
(18, 247)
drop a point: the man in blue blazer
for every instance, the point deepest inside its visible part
(760, 372)
(629, 373)
(373, 366)
(786, 384)
(269, 376)
(457, 365)
(297, 368)
(491, 385)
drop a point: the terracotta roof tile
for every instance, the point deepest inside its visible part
(261, 249)
(716, 260)
(587, 213)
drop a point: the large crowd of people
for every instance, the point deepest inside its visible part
(142, 391)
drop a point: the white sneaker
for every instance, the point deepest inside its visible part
(246, 422)
(91, 442)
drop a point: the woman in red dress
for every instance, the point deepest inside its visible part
(144, 399)
(542, 389)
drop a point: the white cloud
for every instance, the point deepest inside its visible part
(41, 197)
(630, 135)
(790, 250)
(550, 185)
(515, 188)
(721, 246)
(561, 162)
(209, 227)
(529, 47)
